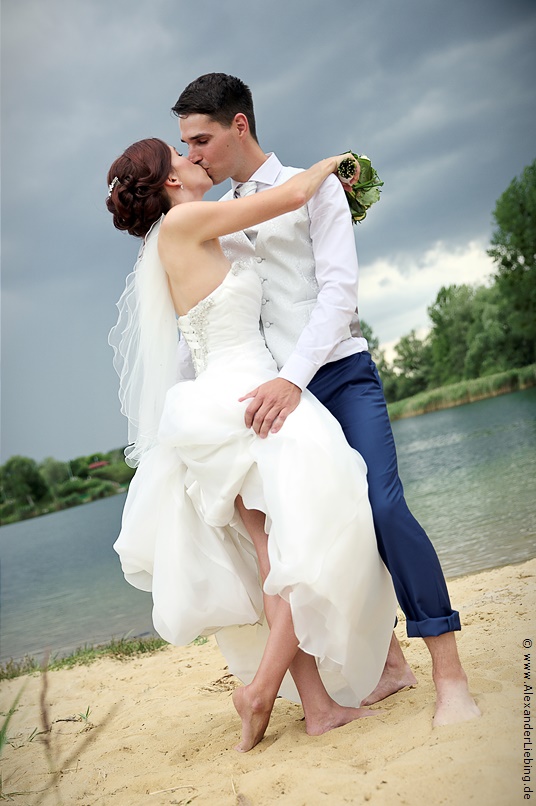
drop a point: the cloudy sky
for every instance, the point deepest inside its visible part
(439, 95)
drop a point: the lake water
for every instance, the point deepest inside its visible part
(469, 475)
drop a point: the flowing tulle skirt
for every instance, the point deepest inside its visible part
(183, 540)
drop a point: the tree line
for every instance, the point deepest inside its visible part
(476, 331)
(28, 488)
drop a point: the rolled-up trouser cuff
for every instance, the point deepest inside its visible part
(433, 626)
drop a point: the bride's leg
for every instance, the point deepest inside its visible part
(321, 712)
(255, 702)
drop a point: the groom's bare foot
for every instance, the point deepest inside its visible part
(454, 703)
(255, 715)
(335, 717)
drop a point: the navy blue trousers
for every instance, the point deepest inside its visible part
(352, 391)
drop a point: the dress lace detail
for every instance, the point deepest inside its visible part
(194, 324)
(194, 330)
(239, 266)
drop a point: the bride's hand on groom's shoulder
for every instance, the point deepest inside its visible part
(346, 178)
(271, 403)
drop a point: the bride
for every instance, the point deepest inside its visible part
(269, 543)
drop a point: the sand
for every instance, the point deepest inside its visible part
(161, 729)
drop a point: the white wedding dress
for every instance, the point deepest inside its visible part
(181, 537)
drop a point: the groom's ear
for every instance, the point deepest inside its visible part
(241, 124)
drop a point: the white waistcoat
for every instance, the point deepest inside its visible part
(285, 263)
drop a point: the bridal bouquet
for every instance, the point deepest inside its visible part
(362, 194)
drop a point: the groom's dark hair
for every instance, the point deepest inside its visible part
(219, 96)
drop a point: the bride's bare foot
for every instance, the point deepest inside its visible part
(396, 675)
(393, 679)
(335, 717)
(255, 715)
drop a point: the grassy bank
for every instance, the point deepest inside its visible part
(120, 648)
(457, 394)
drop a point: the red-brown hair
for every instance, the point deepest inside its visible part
(138, 197)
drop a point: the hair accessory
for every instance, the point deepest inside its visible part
(112, 184)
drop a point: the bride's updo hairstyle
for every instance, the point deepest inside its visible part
(137, 196)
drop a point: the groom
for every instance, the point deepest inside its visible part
(307, 263)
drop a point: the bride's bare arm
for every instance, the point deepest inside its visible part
(204, 221)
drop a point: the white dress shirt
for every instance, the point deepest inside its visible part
(325, 338)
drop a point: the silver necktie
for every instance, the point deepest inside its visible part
(247, 189)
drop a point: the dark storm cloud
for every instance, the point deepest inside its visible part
(439, 95)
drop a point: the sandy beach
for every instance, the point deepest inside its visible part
(161, 729)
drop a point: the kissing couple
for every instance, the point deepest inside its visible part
(266, 507)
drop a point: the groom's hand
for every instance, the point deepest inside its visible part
(270, 406)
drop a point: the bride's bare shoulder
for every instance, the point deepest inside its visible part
(176, 239)
(182, 217)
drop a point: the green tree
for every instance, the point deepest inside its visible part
(488, 349)
(373, 341)
(389, 378)
(119, 472)
(513, 249)
(80, 466)
(412, 364)
(452, 317)
(22, 482)
(53, 471)
(115, 456)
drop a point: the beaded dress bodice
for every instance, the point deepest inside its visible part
(224, 326)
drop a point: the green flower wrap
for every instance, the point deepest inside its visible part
(363, 194)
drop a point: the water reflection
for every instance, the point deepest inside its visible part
(469, 476)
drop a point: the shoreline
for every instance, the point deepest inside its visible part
(440, 399)
(463, 393)
(122, 646)
(160, 728)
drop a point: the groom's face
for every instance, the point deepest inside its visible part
(213, 146)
